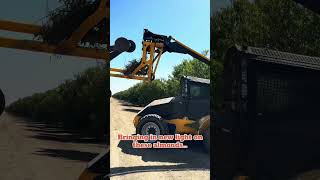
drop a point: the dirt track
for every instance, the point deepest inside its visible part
(32, 151)
(129, 163)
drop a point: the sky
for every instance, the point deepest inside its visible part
(186, 20)
(23, 73)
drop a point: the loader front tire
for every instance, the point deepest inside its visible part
(152, 124)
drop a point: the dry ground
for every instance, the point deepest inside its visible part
(32, 151)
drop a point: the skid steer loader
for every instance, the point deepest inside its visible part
(187, 113)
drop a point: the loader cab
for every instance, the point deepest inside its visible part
(192, 87)
(193, 103)
(268, 123)
(196, 94)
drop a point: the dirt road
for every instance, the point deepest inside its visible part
(128, 163)
(32, 151)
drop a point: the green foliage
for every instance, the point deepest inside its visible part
(144, 93)
(191, 68)
(77, 104)
(276, 24)
(63, 21)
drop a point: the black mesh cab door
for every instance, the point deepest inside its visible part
(198, 104)
(284, 131)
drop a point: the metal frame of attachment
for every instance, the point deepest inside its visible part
(69, 47)
(151, 54)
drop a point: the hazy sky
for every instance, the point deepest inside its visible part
(23, 73)
(186, 20)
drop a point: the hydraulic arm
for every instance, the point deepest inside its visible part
(154, 45)
(170, 44)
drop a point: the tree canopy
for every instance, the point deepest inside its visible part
(276, 24)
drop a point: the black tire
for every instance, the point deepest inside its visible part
(2, 102)
(155, 120)
(153, 76)
(205, 133)
(109, 93)
(132, 46)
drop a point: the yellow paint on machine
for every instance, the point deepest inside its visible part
(181, 126)
(136, 121)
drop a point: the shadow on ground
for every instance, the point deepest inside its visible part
(67, 154)
(193, 158)
(54, 132)
(65, 138)
(131, 110)
(124, 103)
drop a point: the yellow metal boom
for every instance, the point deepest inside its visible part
(67, 47)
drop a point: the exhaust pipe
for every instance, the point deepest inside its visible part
(2, 102)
